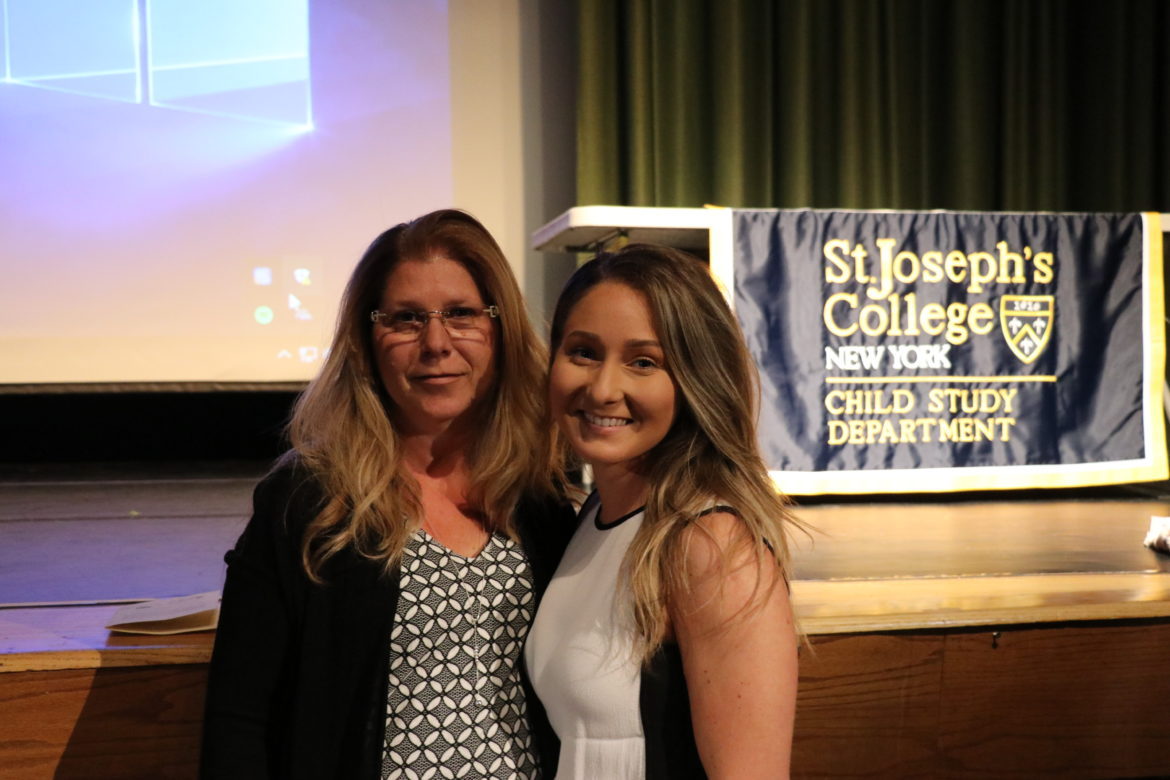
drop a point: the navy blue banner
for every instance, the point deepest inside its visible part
(928, 351)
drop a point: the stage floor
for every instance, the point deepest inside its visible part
(98, 535)
(107, 536)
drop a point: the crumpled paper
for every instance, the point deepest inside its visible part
(1158, 537)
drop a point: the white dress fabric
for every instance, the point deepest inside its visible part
(456, 706)
(581, 659)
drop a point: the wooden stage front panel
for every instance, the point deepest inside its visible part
(1083, 700)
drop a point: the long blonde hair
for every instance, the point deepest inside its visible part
(342, 430)
(711, 451)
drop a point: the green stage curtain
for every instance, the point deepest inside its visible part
(1029, 105)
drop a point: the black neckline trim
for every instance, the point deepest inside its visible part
(600, 526)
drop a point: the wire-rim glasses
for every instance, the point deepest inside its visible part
(461, 322)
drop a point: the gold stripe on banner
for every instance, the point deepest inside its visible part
(844, 380)
(1155, 338)
(813, 483)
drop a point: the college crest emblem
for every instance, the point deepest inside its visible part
(1026, 323)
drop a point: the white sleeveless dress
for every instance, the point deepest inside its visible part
(581, 660)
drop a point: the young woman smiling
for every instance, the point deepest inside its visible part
(665, 645)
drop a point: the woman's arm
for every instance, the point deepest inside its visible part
(735, 631)
(243, 690)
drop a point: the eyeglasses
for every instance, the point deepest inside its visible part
(461, 322)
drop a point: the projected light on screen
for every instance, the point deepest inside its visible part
(171, 182)
(247, 59)
(82, 46)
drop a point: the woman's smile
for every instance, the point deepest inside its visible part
(598, 421)
(437, 379)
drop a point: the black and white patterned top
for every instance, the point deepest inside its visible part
(456, 707)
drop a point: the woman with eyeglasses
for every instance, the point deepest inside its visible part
(377, 602)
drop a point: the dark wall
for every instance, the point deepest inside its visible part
(145, 427)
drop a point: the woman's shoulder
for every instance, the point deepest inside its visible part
(710, 531)
(543, 507)
(696, 513)
(720, 524)
(546, 520)
(289, 475)
(287, 497)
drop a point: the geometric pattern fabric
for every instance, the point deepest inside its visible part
(456, 708)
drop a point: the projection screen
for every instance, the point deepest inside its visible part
(186, 185)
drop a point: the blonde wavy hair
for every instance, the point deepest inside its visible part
(342, 426)
(711, 452)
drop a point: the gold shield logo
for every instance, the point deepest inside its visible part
(1026, 323)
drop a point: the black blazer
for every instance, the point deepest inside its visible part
(299, 672)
